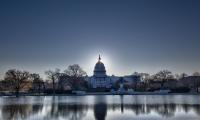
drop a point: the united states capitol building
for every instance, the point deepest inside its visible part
(100, 80)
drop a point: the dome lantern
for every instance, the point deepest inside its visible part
(99, 57)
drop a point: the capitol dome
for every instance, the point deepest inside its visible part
(100, 80)
(99, 68)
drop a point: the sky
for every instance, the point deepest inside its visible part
(130, 35)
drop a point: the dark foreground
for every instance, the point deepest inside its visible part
(103, 107)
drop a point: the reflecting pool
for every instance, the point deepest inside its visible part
(101, 107)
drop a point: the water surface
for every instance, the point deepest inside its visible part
(128, 107)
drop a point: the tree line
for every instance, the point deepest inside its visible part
(17, 80)
(166, 76)
(163, 76)
(72, 77)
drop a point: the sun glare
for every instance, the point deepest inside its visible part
(104, 59)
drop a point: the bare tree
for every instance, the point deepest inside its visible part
(53, 76)
(18, 79)
(38, 83)
(144, 77)
(75, 71)
(196, 74)
(76, 74)
(163, 76)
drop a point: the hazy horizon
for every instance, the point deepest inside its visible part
(132, 35)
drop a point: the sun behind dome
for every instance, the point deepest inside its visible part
(100, 80)
(99, 69)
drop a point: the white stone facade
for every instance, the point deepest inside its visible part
(98, 82)
(100, 79)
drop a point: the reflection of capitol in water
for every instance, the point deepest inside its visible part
(99, 108)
